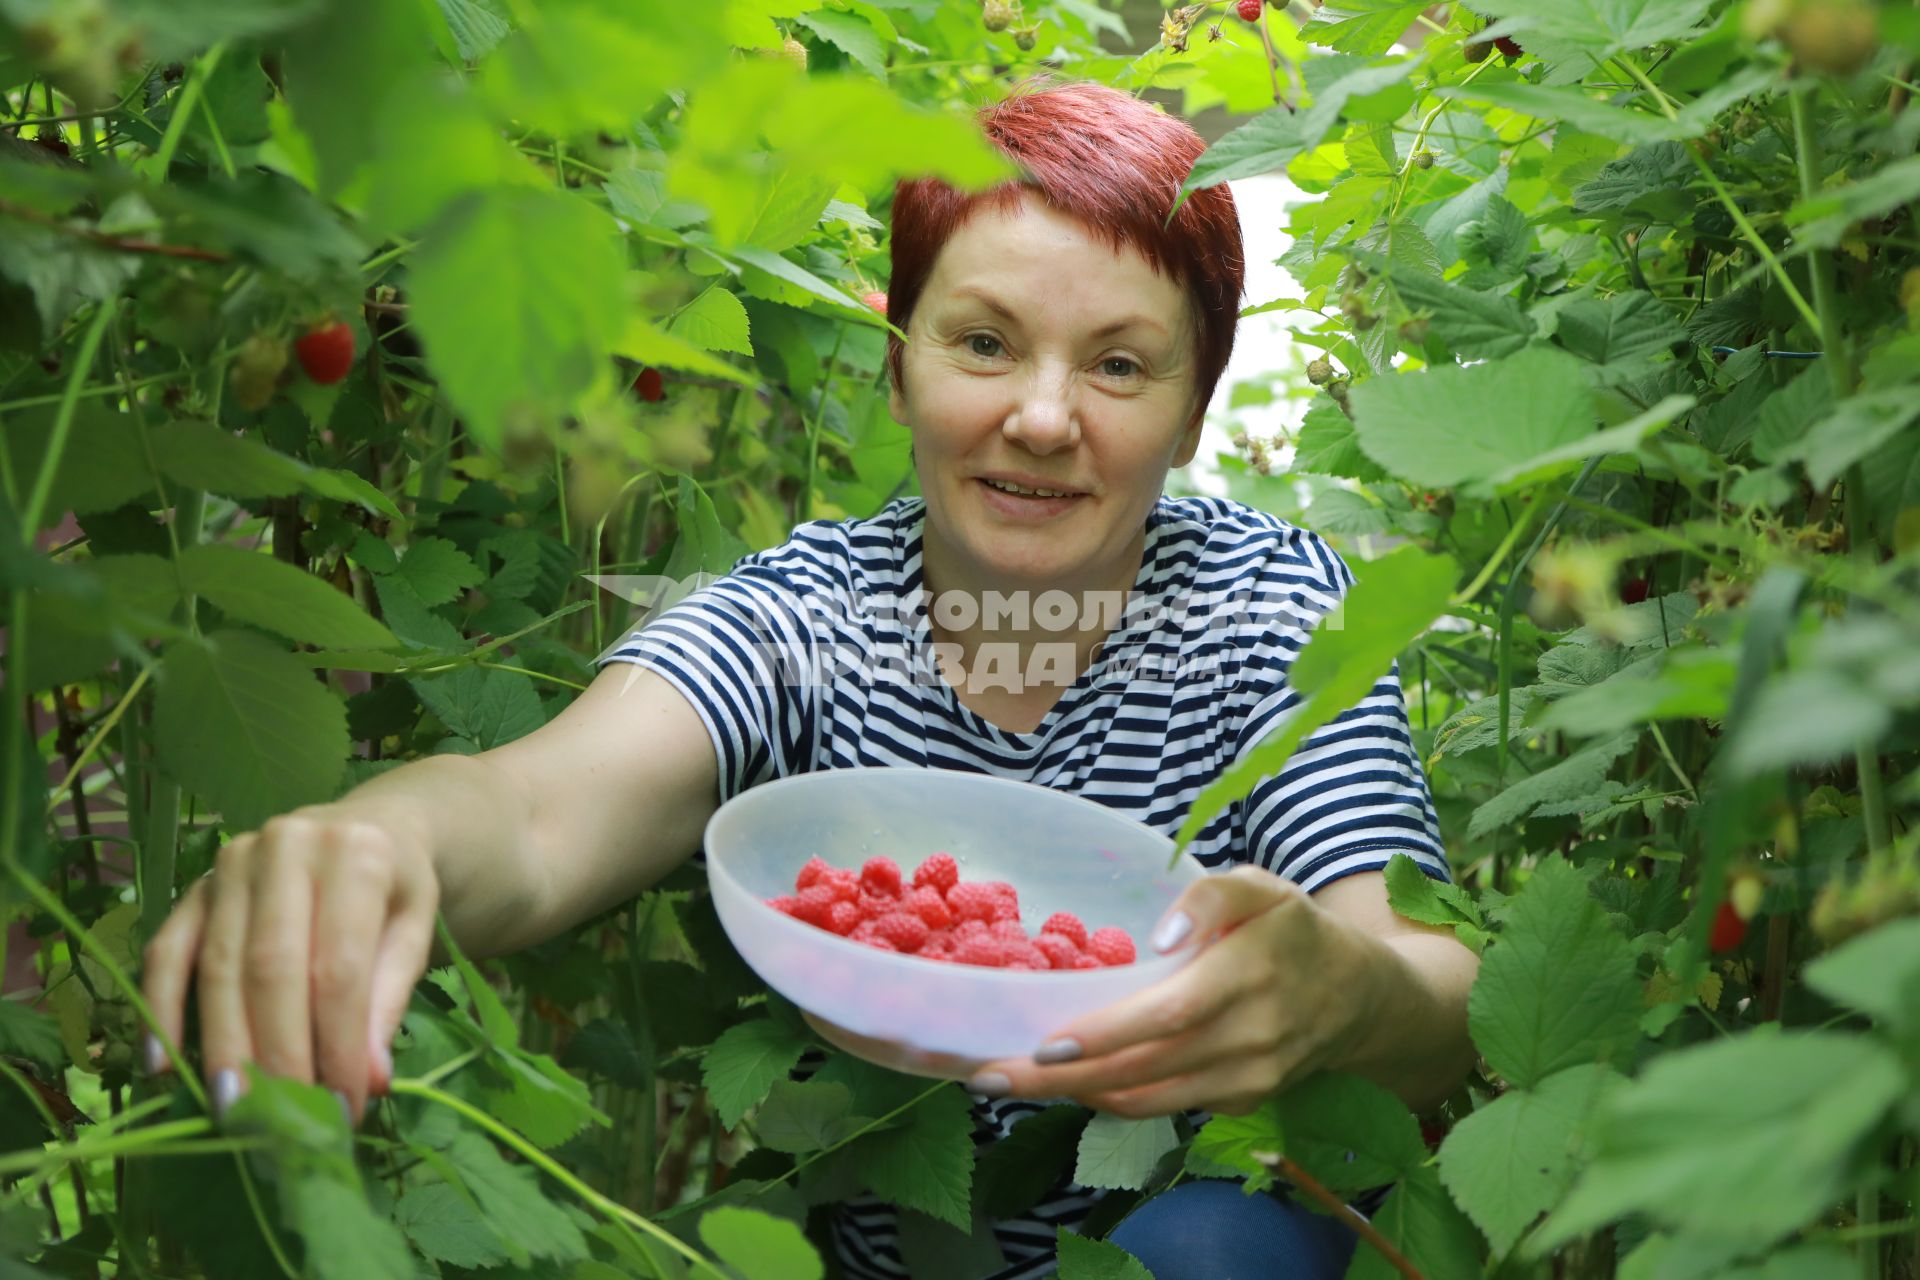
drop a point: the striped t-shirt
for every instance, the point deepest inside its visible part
(815, 654)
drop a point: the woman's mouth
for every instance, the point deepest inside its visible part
(1024, 502)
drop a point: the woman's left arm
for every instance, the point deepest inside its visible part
(1285, 984)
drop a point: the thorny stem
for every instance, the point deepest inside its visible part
(1339, 1209)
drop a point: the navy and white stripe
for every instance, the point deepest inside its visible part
(1348, 799)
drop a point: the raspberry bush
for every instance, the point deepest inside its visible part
(1611, 328)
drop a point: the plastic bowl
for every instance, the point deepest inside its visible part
(1061, 852)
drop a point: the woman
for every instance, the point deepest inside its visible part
(1060, 339)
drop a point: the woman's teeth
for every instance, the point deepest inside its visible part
(1005, 487)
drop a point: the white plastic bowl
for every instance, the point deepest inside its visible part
(1061, 852)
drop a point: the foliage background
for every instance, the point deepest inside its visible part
(1619, 334)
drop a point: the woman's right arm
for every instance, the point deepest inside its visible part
(305, 943)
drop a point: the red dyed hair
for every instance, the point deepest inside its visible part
(1111, 161)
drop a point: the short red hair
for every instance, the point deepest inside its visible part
(1111, 161)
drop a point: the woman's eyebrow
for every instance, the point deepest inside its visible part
(1104, 331)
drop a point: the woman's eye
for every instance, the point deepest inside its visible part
(982, 344)
(1118, 367)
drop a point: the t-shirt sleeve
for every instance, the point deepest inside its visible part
(742, 650)
(1353, 794)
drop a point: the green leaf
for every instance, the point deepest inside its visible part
(805, 1115)
(1696, 1141)
(1480, 326)
(202, 456)
(1229, 1142)
(714, 321)
(1577, 776)
(446, 1225)
(852, 35)
(1678, 684)
(1399, 595)
(1559, 988)
(745, 1061)
(1453, 426)
(1422, 1222)
(579, 67)
(759, 1246)
(1877, 973)
(1118, 1152)
(1822, 220)
(648, 343)
(1787, 415)
(517, 295)
(1327, 446)
(1272, 139)
(1081, 1258)
(243, 725)
(1856, 427)
(1014, 1174)
(486, 706)
(1515, 1157)
(30, 1035)
(511, 1201)
(1623, 334)
(925, 1161)
(248, 586)
(339, 72)
(1419, 897)
(1348, 1132)
(438, 571)
(345, 1239)
(1600, 28)
(102, 466)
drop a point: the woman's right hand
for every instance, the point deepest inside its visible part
(304, 944)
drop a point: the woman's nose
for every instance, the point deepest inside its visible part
(1047, 416)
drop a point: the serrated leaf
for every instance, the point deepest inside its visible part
(648, 343)
(805, 1115)
(1560, 988)
(444, 1225)
(487, 706)
(1470, 323)
(511, 1201)
(1422, 1222)
(1877, 973)
(1271, 140)
(1695, 1141)
(852, 35)
(1622, 334)
(1327, 446)
(1580, 774)
(925, 1161)
(30, 1035)
(745, 1061)
(1515, 1157)
(1082, 1258)
(1419, 897)
(1117, 1152)
(252, 587)
(1015, 1173)
(714, 321)
(437, 570)
(243, 725)
(759, 1246)
(344, 1238)
(1228, 1142)
(517, 296)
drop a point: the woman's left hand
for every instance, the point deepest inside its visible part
(1278, 989)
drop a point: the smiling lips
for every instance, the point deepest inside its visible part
(1024, 487)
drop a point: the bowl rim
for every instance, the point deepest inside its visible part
(1145, 959)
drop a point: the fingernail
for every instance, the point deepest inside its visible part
(226, 1091)
(153, 1054)
(1172, 931)
(383, 1056)
(993, 1084)
(1065, 1049)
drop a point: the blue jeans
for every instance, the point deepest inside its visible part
(1211, 1230)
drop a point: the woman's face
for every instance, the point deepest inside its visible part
(1039, 355)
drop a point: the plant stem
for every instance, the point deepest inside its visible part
(813, 427)
(99, 734)
(183, 108)
(1339, 1209)
(1499, 555)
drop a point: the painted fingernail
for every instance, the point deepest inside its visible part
(994, 1084)
(226, 1091)
(153, 1054)
(1065, 1049)
(1172, 931)
(383, 1056)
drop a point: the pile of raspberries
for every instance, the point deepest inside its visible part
(938, 917)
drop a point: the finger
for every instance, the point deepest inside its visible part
(403, 955)
(349, 918)
(1215, 905)
(168, 968)
(225, 1039)
(278, 957)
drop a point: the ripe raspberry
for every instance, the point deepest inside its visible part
(873, 905)
(1068, 926)
(967, 930)
(1249, 10)
(1110, 946)
(939, 872)
(326, 351)
(1007, 931)
(865, 931)
(930, 907)
(1024, 955)
(1005, 893)
(1633, 591)
(843, 917)
(1086, 962)
(973, 902)
(1058, 949)
(650, 386)
(785, 906)
(989, 953)
(906, 932)
(1508, 46)
(809, 874)
(879, 944)
(844, 884)
(814, 903)
(1728, 929)
(880, 877)
(874, 301)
